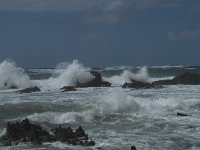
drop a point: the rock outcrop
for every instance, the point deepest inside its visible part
(182, 114)
(185, 79)
(24, 131)
(96, 82)
(133, 147)
(67, 135)
(68, 88)
(140, 85)
(29, 90)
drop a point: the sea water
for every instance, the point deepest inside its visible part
(114, 118)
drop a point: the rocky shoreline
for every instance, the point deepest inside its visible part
(25, 131)
(184, 79)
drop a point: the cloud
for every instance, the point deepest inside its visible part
(74, 5)
(189, 35)
(46, 5)
(113, 11)
(109, 12)
(98, 11)
(193, 9)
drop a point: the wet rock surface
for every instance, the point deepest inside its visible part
(182, 114)
(133, 147)
(96, 82)
(185, 79)
(68, 88)
(29, 90)
(140, 85)
(24, 131)
(67, 135)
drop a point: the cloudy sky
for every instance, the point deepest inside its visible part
(42, 33)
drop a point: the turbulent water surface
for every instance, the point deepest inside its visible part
(114, 118)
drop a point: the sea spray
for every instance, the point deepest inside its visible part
(127, 76)
(13, 76)
(69, 75)
(113, 101)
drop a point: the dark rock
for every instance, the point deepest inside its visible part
(133, 148)
(140, 85)
(29, 90)
(68, 88)
(190, 127)
(181, 114)
(67, 135)
(164, 82)
(88, 143)
(186, 79)
(63, 134)
(25, 131)
(80, 132)
(96, 82)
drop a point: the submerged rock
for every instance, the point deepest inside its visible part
(68, 88)
(181, 114)
(186, 79)
(29, 90)
(25, 131)
(140, 85)
(96, 82)
(133, 147)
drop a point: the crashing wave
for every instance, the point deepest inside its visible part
(12, 76)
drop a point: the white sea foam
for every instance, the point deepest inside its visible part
(11, 75)
(54, 117)
(113, 102)
(162, 78)
(127, 76)
(68, 75)
(2, 132)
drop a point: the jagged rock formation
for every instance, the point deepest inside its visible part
(186, 79)
(29, 90)
(24, 131)
(96, 82)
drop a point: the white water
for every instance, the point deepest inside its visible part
(115, 118)
(11, 75)
(112, 102)
(68, 75)
(127, 76)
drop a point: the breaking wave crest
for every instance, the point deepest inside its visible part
(127, 76)
(12, 76)
(113, 102)
(68, 75)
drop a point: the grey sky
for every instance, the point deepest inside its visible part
(42, 33)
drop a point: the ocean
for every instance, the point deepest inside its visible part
(114, 118)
